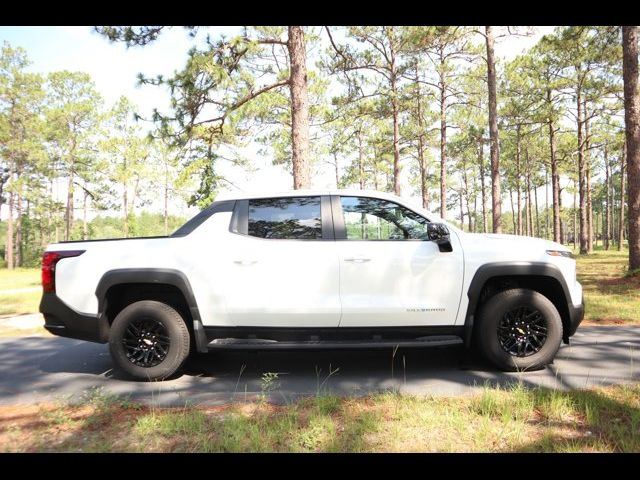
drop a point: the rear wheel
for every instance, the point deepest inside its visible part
(519, 329)
(149, 340)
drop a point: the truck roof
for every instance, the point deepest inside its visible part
(308, 192)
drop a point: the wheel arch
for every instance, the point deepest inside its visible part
(156, 282)
(492, 278)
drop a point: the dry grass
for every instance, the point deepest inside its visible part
(513, 420)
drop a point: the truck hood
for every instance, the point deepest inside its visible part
(515, 241)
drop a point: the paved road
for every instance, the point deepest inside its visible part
(35, 369)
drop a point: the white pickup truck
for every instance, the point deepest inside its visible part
(312, 269)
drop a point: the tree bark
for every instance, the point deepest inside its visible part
(166, 199)
(555, 184)
(443, 147)
(299, 108)
(535, 199)
(68, 216)
(9, 250)
(496, 200)
(587, 161)
(361, 160)
(461, 212)
(396, 144)
(582, 173)
(482, 184)
(575, 217)
(85, 227)
(528, 185)
(513, 212)
(466, 196)
(518, 176)
(424, 188)
(125, 206)
(607, 212)
(622, 196)
(546, 203)
(632, 133)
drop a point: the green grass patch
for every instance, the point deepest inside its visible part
(19, 278)
(13, 301)
(19, 303)
(510, 419)
(611, 296)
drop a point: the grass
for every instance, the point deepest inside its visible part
(610, 295)
(514, 419)
(14, 302)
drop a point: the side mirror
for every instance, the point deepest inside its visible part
(439, 233)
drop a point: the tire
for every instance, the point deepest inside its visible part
(149, 340)
(502, 347)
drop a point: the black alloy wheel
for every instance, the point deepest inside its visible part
(522, 331)
(146, 342)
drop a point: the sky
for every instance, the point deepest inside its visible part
(114, 69)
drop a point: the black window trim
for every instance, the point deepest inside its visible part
(239, 224)
(341, 229)
(203, 216)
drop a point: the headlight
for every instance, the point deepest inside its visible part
(561, 253)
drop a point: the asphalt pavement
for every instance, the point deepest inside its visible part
(53, 369)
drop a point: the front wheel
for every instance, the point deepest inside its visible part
(149, 340)
(519, 329)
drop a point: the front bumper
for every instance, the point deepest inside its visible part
(576, 315)
(62, 320)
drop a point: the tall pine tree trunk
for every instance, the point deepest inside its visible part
(424, 188)
(396, 144)
(361, 161)
(68, 215)
(19, 240)
(582, 174)
(622, 196)
(575, 217)
(9, 249)
(513, 212)
(587, 161)
(443, 149)
(518, 177)
(632, 130)
(535, 198)
(482, 184)
(85, 226)
(555, 185)
(607, 213)
(299, 108)
(496, 201)
(125, 210)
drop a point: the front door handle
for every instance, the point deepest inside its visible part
(245, 262)
(357, 259)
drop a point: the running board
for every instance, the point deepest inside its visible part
(264, 344)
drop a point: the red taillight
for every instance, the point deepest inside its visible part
(49, 260)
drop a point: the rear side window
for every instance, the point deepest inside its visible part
(285, 218)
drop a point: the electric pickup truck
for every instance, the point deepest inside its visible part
(312, 269)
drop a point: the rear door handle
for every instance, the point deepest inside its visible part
(357, 259)
(245, 262)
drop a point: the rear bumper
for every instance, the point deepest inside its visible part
(62, 320)
(576, 315)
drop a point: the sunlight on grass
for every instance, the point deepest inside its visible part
(509, 419)
(609, 295)
(19, 303)
(19, 278)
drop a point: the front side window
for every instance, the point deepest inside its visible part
(376, 219)
(285, 218)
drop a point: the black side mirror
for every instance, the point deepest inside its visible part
(439, 233)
